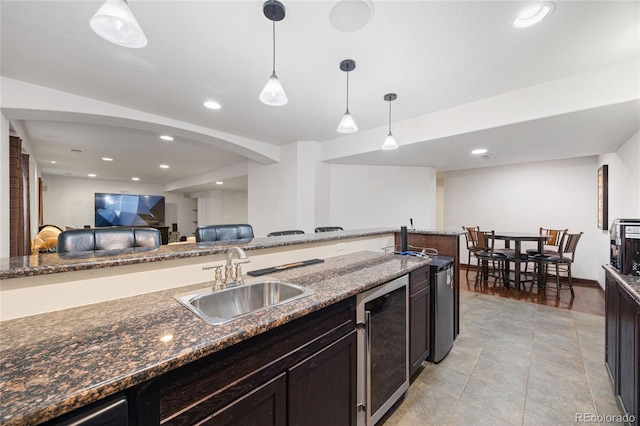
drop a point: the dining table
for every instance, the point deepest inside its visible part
(518, 238)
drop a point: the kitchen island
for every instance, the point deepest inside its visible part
(57, 362)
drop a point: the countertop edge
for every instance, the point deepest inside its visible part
(630, 283)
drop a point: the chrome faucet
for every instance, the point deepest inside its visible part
(231, 276)
(232, 273)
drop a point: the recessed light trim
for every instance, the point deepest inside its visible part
(135, 178)
(92, 175)
(53, 161)
(107, 159)
(212, 105)
(164, 166)
(479, 151)
(533, 14)
(219, 183)
(166, 138)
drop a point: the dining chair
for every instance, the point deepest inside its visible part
(470, 234)
(551, 246)
(561, 260)
(492, 262)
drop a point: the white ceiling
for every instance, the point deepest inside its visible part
(434, 55)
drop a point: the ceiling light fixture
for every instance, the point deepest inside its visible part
(212, 105)
(390, 142)
(115, 22)
(92, 175)
(107, 159)
(273, 93)
(219, 183)
(164, 166)
(53, 161)
(135, 178)
(166, 138)
(532, 15)
(347, 125)
(479, 151)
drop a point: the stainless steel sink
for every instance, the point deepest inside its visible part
(219, 307)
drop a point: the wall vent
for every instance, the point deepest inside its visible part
(487, 157)
(78, 151)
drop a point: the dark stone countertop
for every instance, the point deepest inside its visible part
(51, 263)
(56, 362)
(631, 283)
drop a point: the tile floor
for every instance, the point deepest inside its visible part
(514, 363)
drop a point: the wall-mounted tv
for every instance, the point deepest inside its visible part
(129, 210)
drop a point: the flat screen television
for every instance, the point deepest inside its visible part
(128, 210)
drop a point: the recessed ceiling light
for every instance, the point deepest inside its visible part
(135, 178)
(212, 105)
(164, 166)
(53, 161)
(532, 15)
(107, 159)
(166, 138)
(351, 15)
(219, 183)
(479, 151)
(91, 175)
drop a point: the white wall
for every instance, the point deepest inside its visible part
(524, 197)
(70, 201)
(382, 196)
(624, 190)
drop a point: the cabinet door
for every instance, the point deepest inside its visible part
(612, 309)
(322, 388)
(265, 406)
(419, 311)
(628, 355)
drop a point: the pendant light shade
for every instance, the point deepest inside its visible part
(273, 94)
(390, 142)
(115, 22)
(347, 124)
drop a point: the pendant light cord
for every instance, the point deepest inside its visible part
(274, 45)
(347, 91)
(389, 116)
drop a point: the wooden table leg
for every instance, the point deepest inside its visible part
(516, 262)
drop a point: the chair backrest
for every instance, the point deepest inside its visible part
(484, 241)
(328, 228)
(92, 239)
(556, 236)
(279, 233)
(224, 232)
(471, 235)
(569, 245)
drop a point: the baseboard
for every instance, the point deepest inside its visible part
(581, 282)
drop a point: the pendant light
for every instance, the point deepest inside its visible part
(390, 142)
(273, 93)
(115, 22)
(347, 125)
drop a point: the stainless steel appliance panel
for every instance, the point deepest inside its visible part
(442, 315)
(383, 348)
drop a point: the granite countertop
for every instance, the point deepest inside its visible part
(56, 362)
(51, 263)
(631, 283)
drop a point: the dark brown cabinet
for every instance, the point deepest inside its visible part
(622, 340)
(322, 388)
(301, 373)
(419, 313)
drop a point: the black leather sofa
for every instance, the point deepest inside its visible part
(224, 232)
(78, 240)
(279, 233)
(329, 228)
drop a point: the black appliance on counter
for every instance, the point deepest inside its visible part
(442, 318)
(625, 246)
